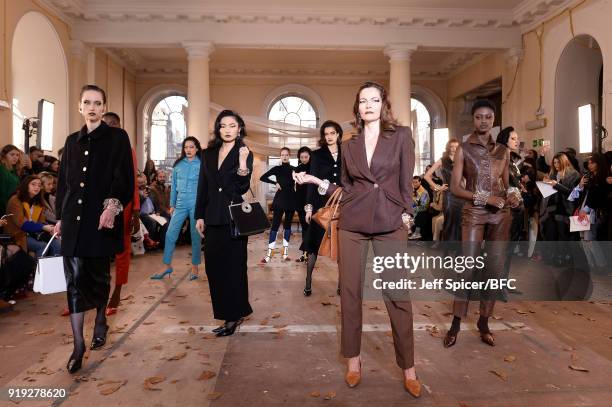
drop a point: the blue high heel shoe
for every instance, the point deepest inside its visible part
(160, 276)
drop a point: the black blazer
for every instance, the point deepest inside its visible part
(284, 199)
(94, 167)
(323, 166)
(219, 187)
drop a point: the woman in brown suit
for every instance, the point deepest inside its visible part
(377, 169)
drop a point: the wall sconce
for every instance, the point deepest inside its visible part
(585, 128)
(441, 137)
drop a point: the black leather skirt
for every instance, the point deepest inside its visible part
(87, 282)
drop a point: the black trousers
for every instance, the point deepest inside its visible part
(225, 259)
(277, 216)
(87, 281)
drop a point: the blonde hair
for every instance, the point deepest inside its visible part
(564, 163)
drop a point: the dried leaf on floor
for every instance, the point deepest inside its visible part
(552, 386)
(509, 358)
(315, 394)
(110, 386)
(206, 375)
(497, 317)
(264, 321)
(214, 395)
(150, 297)
(129, 297)
(425, 314)
(375, 307)
(126, 354)
(326, 303)
(148, 323)
(573, 358)
(150, 382)
(577, 313)
(191, 330)
(183, 322)
(500, 374)
(518, 311)
(568, 348)
(276, 315)
(174, 381)
(178, 356)
(156, 347)
(578, 368)
(329, 396)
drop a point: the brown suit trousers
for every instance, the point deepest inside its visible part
(352, 260)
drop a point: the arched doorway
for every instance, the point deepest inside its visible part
(578, 84)
(37, 54)
(422, 134)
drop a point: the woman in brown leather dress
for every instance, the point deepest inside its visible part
(484, 165)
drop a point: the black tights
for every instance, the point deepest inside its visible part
(77, 320)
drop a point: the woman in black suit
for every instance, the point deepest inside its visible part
(283, 203)
(304, 154)
(324, 164)
(225, 175)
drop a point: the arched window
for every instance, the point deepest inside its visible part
(422, 134)
(295, 110)
(168, 130)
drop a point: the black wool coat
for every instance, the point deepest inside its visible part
(322, 166)
(284, 199)
(219, 187)
(95, 166)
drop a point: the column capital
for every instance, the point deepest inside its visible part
(513, 56)
(400, 51)
(198, 49)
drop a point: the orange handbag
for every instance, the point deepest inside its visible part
(327, 217)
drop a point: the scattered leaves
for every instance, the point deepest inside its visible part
(326, 303)
(329, 396)
(214, 395)
(276, 315)
(315, 394)
(191, 330)
(578, 368)
(178, 356)
(509, 358)
(150, 382)
(500, 374)
(207, 375)
(110, 386)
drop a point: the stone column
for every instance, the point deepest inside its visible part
(399, 81)
(198, 89)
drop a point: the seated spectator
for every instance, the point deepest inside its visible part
(28, 225)
(52, 165)
(422, 217)
(147, 208)
(11, 170)
(49, 183)
(37, 157)
(160, 194)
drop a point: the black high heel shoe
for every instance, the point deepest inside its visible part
(219, 328)
(229, 328)
(99, 341)
(75, 362)
(307, 292)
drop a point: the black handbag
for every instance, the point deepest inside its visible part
(247, 218)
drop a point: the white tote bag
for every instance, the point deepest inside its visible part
(50, 278)
(577, 225)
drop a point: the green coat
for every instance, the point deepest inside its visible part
(9, 181)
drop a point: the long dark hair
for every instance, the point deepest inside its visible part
(336, 126)
(195, 141)
(23, 193)
(217, 141)
(387, 121)
(602, 168)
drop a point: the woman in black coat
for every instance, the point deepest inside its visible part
(225, 175)
(283, 203)
(96, 180)
(304, 154)
(324, 164)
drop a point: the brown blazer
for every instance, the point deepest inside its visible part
(374, 198)
(14, 223)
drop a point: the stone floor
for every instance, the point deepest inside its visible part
(161, 351)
